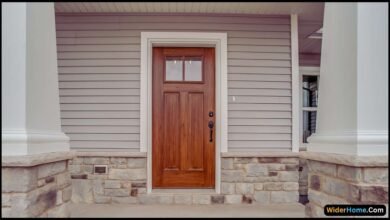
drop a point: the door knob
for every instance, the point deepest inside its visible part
(211, 126)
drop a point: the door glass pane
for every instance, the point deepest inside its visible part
(193, 69)
(310, 91)
(173, 69)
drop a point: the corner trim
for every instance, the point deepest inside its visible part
(296, 137)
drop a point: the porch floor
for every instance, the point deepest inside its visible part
(126, 210)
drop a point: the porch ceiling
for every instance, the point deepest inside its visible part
(310, 14)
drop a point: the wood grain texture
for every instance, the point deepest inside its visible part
(182, 154)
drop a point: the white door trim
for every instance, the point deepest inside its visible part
(183, 39)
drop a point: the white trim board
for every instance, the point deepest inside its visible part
(296, 103)
(183, 39)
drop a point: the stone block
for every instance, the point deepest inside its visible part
(262, 197)
(134, 192)
(6, 199)
(50, 169)
(74, 169)
(292, 167)
(335, 187)
(183, 199)
(374, 194)
(228, 188)
(349, 173)
(96, 160)
(136, 163)
(233, 199)
(50, 179)
(112, 184)
(118, 160)
(126, 184)
(284, 197)
(289, 160)
(35, 202)
(141, 190)
(82, 191)
(124, 200)
(244, 188)
(245, 160)
(41, 182)
(276, 166)
(376, 175)
(288, 176)
(116, 192)
(259, 186)
(59, 197)
(232, 175)
(155, 199)
(88, 169)
(97, 176)
(247, 199)
(67, 194)
(199, 199)
(268, 160)
(103, 199)
(63, 180)
(166, 199)
(138, 185)
(256, 170)
(217, 199)
(323, 199)
(77, 160)
(5, 212)
(273, 186)
(98, 188)
(18, 179)
(127, 174)
(322, 167)
(61, 211)
(227, 163)
(315, 182)
(290, 186)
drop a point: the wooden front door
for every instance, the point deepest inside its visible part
(183, 104)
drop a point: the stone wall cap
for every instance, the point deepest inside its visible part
(109, 154)
(349, 160)
(261, 154)
(35, 159)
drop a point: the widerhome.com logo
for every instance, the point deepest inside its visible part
(355, 210)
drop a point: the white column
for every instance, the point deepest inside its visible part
(30, 97)
(353, 92)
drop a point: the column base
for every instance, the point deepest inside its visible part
(343, 179)
(361, 143)
(18, 143)
(36, 185)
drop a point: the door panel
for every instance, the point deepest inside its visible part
(183, 152)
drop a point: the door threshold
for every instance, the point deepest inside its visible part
(184, 191)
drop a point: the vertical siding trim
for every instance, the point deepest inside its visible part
(295, 83)
(180, 39)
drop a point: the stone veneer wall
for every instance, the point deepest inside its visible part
(336, 183)
(36, 186)
(260, 179)
(303, 181)
(244, 180)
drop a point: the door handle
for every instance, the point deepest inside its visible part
(211, 126)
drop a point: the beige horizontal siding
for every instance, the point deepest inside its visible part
(99, 67)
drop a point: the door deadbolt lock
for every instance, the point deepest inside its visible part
(211, 114)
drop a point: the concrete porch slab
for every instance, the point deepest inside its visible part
(124, 210)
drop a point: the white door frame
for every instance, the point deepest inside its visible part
(183, 39)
